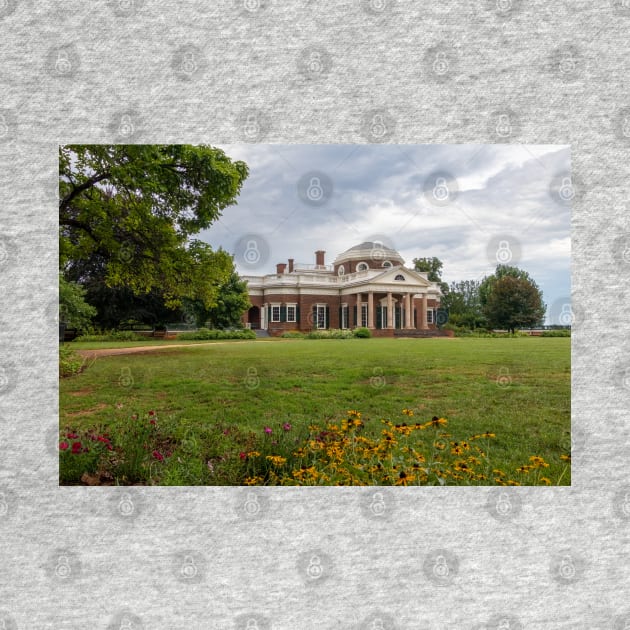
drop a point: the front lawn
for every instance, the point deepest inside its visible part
(213, 402)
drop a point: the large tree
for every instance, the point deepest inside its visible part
(232, 301)
(511, 299)
(463, 304)
(127, 214)
(74, 311)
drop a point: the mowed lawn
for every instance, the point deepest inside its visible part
(517, 388)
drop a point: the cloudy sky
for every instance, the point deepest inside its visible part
(470, 205)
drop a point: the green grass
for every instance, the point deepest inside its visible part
(242, 386)
(149, 341)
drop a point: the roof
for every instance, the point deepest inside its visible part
(371, 249)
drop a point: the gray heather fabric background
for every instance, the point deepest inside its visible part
(313, 72)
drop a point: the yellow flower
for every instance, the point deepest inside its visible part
(253, 454)
(252, 481)
(546, 480)
(566, 458)
(277, 460)
(538, 462)
(408, 412)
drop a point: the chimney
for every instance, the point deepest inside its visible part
(280, 267)
(290, 265)
(319, 258)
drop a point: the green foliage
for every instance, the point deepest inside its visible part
(73, 309)
(362, 332)
(127, 214)
(331, 333)
(463, 304)
(80, 453)
(231, 302)
(561, 332)
(210, 334)
(117, 335)
(293, 334)
(70, 363)
(513, 300)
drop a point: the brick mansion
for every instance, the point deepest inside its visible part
(367, 285)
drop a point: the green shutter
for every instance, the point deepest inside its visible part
(297, 316)
(354, 310)
(283, 313)
(268, 316)
(314, 317)
(327, 320)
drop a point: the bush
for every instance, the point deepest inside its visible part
(362, 332)
(293, 334)
(333, 333)
(79, 454)
(556, 333)
(115, 335)
(207, 334)
(70, 363)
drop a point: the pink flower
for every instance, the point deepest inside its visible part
(63, 446)
(158, 456)
(286, 426)
(268, 430)
(226, 432)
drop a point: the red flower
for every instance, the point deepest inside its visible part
(226, 432)
(72, 436)
(242, 455)
(152, 422)
(151, 413)
(158, 456)
(76, 447)
(63, 446)
(286, 426)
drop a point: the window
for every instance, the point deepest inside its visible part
(341, 270)
(275, 312)
(429, 316)
(400, 277)
(362, 266)
(387, 263)
(291, 312)
(344, 316)
(321, 316)
(364, 315)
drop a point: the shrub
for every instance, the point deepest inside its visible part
(362, 332)
(556, 333)
(208, 334)
(115, 335)
(332, 333)
(293, 334)
(70, 363)
(80, 454)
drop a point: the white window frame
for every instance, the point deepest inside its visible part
(399, 278)
(273, 313)
(430, 316)
(345, 313)
(341, 271)
(363, 263)
(387, 263)
(294, 307)
(364, 315)
(317, 320)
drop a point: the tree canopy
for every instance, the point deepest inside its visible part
(511, 299)
(127, 214)
(434, 266)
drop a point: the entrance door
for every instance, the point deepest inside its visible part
(253, 316)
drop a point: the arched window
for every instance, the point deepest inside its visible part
(362, 266)
(387, 263)
(400, 277)
(341, 270)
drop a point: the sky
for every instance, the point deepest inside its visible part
(472, 206)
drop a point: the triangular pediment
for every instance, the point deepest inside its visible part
(411, 277)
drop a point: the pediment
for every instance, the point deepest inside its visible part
(410, 276)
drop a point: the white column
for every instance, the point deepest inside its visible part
(370, 321)
(425, 308)
(390, 311)
(359, 309)
(408, 318)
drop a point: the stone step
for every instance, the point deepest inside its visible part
(261, 333)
